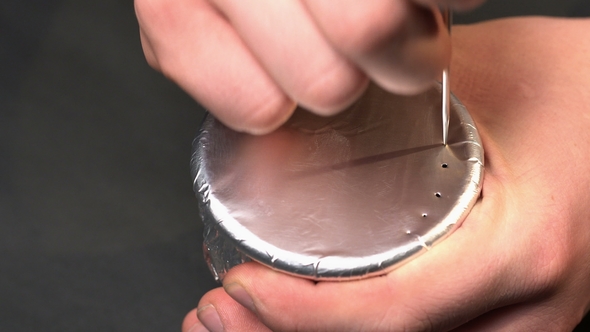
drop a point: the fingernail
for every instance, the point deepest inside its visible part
(209, 317)
(237, 292)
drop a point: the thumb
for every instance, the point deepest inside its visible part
(439, 290)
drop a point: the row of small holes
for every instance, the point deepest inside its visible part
(443, 165)
(437, 194)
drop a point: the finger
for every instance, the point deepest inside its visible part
(455, 4)
(402, 46)
(219, 312)
(199, 50)
(288, 45)
(191, 323)
(148, 51)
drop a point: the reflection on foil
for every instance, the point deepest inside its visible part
(220, 253)
(348, 196)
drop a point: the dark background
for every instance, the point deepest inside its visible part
(99, 228)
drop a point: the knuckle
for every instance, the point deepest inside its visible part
(211, 296)
(146, 10)
(152, 61)
(373, 26)
(266, 114)
(329, 90)
(147, 13)
(161, 16)
(166, 66)
(149, 52)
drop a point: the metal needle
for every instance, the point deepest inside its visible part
(446, 88)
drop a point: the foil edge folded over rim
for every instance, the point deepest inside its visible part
(334, 268)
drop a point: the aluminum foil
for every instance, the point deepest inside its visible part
(341, 197)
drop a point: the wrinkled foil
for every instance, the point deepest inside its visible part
(342, 197)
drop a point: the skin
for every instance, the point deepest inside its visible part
(251, 62)
(521, 259)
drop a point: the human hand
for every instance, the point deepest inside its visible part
(251, 62)
(521, 260)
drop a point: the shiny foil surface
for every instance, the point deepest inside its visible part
(339, 197)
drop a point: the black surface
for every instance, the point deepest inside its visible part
(99, 227)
